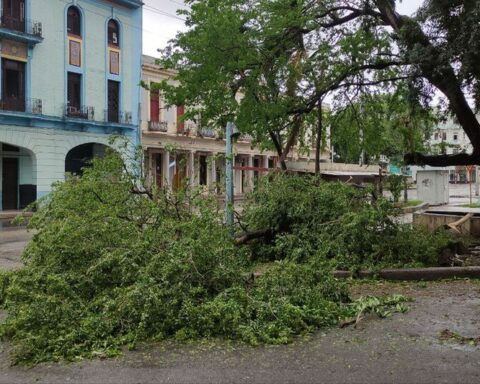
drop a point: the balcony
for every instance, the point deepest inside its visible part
(118, 117)
(25, 31)
(79, 112)
(184, 129)
(33, 106)
(158, 126)
(245, 137)
(206, 132)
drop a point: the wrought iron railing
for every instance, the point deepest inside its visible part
(158, 126)
(26, 26)
(79, 112)
(245, 137)
(185, 129)
(206, 132)
(118, 117)
(21, 105)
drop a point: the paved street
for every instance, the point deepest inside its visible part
(403, 349)
(12, 242)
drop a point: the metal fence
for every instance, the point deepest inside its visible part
(21, 105)
(26, 26)
(79, 112)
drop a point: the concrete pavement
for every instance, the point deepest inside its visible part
(13, 240)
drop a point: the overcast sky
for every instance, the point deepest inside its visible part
(160, 22)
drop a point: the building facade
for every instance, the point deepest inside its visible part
(70, 74)
(178, 151)
(449, 138)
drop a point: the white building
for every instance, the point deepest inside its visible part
(449, 138)
(178, 151)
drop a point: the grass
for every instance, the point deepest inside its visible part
(411, 203)
(473, 205)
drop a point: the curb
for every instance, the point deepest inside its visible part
(416, 208)
(427, 274)
(12, 215)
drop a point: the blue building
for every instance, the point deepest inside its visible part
(69, 79)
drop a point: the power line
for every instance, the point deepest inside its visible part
(163, 13)
(154, 10)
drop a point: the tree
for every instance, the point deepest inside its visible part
(388, 124)
(284, 56)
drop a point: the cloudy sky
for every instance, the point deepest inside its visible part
(160, 22)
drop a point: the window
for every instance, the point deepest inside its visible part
(10, 148)
(74, 93)
(113, 101)
(455, 137)
(154, 106)
(13, 14)
(114, 62)
(74, 20)
(75, 53)
(13, 85)
(113, 33)
(444, 135)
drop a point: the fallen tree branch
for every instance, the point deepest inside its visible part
(245, 238)
(454, 226)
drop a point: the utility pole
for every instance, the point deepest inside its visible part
(231, 133)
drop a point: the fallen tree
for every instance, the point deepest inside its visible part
(298, 218)
(112, 264)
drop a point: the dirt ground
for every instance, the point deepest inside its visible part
(404, 348)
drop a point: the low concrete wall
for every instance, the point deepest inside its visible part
(437, 219)
(416, 208)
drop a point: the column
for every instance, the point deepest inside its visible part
(250, 181)
(265, 161)
(191, 169)
(149, 171)
(166, 168)
(212, 177)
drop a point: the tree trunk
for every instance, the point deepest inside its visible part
(278, 147)
(439, 72)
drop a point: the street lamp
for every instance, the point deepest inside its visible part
(232, 133)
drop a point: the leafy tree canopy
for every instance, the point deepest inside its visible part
(377, 125)
(284, 56)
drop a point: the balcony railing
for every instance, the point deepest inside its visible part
(79, 112)
(245, 137)
(206, 132)
(26, 26)
(158, 126)
(21, 105)
(117, 117)
(185, 129)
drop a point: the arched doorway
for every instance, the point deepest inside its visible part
(18, 177)
(81, 156)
